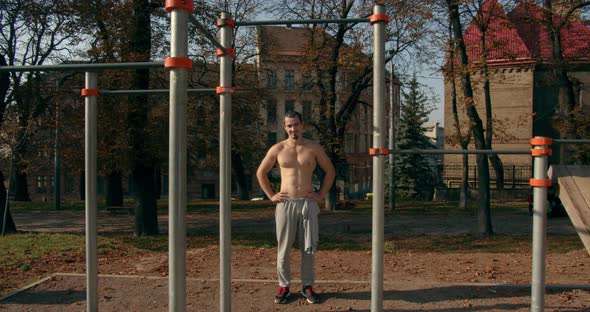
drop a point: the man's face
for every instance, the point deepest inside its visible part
(293, 127)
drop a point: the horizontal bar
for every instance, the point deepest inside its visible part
(205, 31)
(570, 141)
(459, 151)
(82, 67)
(304, 21)
(148, 92)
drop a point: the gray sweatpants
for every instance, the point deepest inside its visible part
(289, 223)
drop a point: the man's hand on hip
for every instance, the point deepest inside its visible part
(280, 196)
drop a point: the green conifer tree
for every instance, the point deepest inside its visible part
(415, 172)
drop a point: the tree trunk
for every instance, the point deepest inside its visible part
(464, 190)
(82, 185)
(489, 129)
(462, 139)
(21, 185)
(146, 216)
(114, 189)
(143, 161)
(7, 225)
(240, 176)
(498, 169)
(158, 181)
(484, 216)
(566, 98)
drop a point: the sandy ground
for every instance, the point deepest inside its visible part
(412, 281)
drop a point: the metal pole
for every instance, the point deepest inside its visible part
(225, 98)
(392, 113)
(379, 127)
(57, 173)
(90, 203)
(177, 164)
(539, 183)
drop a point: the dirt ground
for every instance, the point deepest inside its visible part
(413, 281)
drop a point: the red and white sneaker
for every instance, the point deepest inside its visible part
(282, 295)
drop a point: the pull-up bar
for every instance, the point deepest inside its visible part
(150, 92)
(305, 21)
(82, 67)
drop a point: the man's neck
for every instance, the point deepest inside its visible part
(293, 142)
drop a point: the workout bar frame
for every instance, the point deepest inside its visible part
(304, 21)
(150, 92)
(82, 67)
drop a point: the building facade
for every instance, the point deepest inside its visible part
(524, 91)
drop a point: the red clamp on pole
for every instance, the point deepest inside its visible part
(227, 51)
(89, 92)
(378, 151)
(379, 18)
(180, 4)
(178, 62)
(225, 22)
(225, 90)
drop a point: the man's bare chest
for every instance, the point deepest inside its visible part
(296, 158)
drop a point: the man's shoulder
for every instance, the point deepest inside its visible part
(311, 142)
(277, 147)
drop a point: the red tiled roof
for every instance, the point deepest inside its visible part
(502, 39)
(521, 35)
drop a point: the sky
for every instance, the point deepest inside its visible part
(435, 82)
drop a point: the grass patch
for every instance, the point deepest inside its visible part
(21, 249)
(474, 243)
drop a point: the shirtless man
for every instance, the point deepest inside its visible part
(297, 203)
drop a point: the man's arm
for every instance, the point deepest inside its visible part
(263, 170)
(262, 174)
(330, 173)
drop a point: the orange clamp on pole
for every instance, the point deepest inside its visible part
(180, 4)
(378, 151)
(227, 51)
(225, 90)
(225, 22)
(178, 62)
(540, 182)
(378, 18)
(541, 152)
(541, 141)
(89, 92)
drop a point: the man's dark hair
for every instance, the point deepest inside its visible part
(293, 114)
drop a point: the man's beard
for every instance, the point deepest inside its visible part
(295, 136)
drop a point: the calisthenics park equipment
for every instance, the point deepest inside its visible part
(179, 65)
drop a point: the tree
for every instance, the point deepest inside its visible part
(415, 170)
(484, 213)
(566, 120)
(489, 15)
(462, 135)
(7, 223)
(142, 159)
(32, 33)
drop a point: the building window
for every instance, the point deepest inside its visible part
(272, 139)
(306, 107)
(289, 79)
(289, 105)
(271, 111)
(271, 80)
(307, 82)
